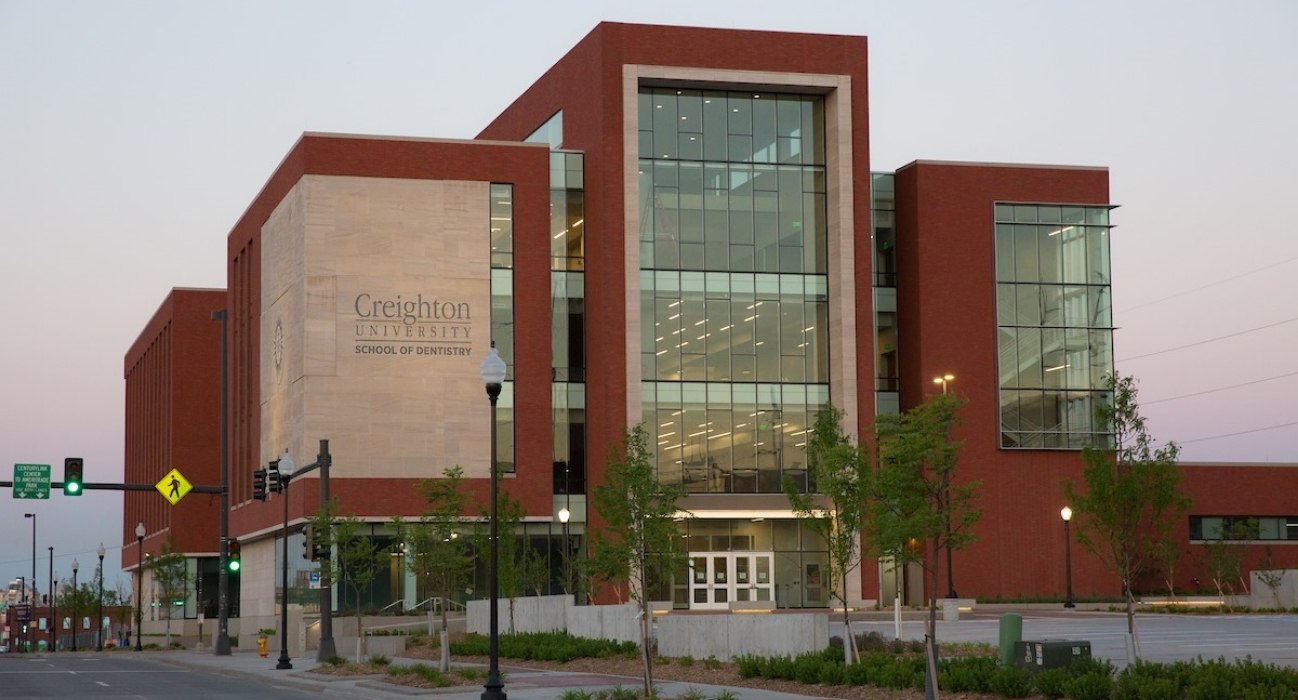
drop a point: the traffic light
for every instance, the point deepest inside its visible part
(259, 484)
(308, 540)
(72, 476)
(232, 561)
(273, 483)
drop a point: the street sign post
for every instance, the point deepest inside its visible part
(173, 486)
(31, 481)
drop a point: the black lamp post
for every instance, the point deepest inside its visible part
(99, 624)
(54, 604)
(946, 514)
(139, 586)
(32, 599)
(75, 566)
(285, 473)
(1067, 514)
(493, 376)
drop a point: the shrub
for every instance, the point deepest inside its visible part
(1092, 685)
(966, 674)
(379, 660)
(1051, 682)
(576, 695)
(543, 646)
(1268, 692)
(1212, 680)
(711, 663)
(1011, 681)
(336, 660)
(620, 693)
(690, 693)
(725, 695)
(687, 661)
(831, 674)
(748, 665)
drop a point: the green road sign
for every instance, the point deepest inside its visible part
(31, 481)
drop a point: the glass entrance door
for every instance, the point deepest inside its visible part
(717, 578)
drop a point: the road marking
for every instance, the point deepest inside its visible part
(102, 683)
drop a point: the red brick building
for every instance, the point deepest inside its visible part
(679, 228)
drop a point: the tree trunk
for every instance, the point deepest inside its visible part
(850, 655)
(930, 652)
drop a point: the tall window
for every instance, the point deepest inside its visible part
(1055, 321)
(502, 313)
(734, 308)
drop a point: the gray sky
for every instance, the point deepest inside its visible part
(134, 134)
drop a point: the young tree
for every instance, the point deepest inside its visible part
(440, 558)
(1271, 577)
(916, 501)
(509, 562)
(1225, 556)
(640, 533)
(171, 572)
(356, 560)
(1132, 496)
(842, 478)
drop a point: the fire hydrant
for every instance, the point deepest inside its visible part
(261, 646)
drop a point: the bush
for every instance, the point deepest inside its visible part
(1212, 680)
(1011, 681)
(543, 646)
(1051, 682)
(687, 661)
(711, 663)
(1268, 692)
(1090, 686)
(379, 660)
(966, 674)
(748, 665)
(336, 660)
(576, 695)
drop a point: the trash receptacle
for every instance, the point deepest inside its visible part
(1011, 633)
(950, 610)
(1038, 655)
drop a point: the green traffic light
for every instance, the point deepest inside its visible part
(74, 487)
(234, 565)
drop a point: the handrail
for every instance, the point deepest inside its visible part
(398, 601)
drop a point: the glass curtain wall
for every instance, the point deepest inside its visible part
(1055, 323)
(734, 309)
(502, 314)
(887, 371)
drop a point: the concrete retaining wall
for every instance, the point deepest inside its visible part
(728, 636)
(616, 622)
(531, 614)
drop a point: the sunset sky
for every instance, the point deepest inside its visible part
(134, 134)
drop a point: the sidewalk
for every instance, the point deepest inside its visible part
(520, 683)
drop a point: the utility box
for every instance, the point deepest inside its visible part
(1037, 655)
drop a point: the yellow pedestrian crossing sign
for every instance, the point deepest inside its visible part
(173, 486)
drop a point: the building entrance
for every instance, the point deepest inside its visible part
(718, 578)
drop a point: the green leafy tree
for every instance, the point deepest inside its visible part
(441, 560)
(843, 479)
(356, 559)
(640, 535)
(171, 574)
(509, 552)
(916, 499)
(1131, 496)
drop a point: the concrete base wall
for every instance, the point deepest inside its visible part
(530, 614)
(728, 636)
(1284, 596)
(617, 622)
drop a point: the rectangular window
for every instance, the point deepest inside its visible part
(1054, 323)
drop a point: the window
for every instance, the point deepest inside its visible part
(1055, 323)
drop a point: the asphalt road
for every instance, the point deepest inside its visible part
(125, 675)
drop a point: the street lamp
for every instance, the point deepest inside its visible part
(139, 586)
(946, 511)
(32, 599)
(99, 624)
(285, 473)
(493, 377)
(54, 605)
(943, 381)
(1067, 514)
(75, 566)
(564, 516)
